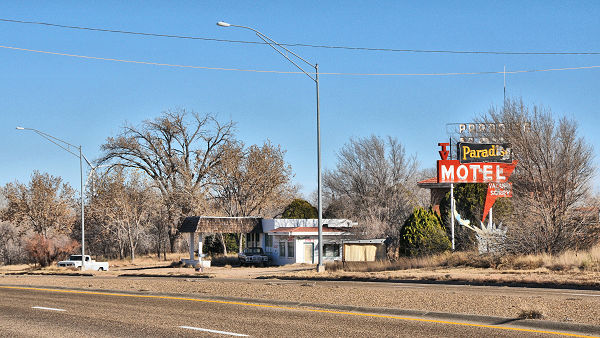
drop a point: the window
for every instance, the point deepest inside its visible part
(281, 249)
(331, 250)
(290, 246)
(268, 241)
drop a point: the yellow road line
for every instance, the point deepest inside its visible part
(297, 309)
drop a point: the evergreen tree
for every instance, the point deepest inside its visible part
(300, 209)
(423, 234)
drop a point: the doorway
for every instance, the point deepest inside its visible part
(309, 249)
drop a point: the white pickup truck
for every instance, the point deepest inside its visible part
(74, 261)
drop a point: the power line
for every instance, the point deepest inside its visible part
(293, 72)
(440, 51)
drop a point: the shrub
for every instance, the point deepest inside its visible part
(43, 250)
(422, 234)
(300, 208)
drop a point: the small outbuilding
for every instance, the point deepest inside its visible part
(365, 250)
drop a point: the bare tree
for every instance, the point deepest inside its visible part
(551, 180)
(11, 247)
(374, 183)
(251, 181)
(42, 210)
(45, 205)
(123, 206)
(177, 151)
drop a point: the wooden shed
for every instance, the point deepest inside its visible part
(366, 250)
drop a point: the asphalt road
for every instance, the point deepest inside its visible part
(28, 312)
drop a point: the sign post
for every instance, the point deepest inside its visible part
(452, 210)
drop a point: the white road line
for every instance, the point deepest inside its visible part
(46, 308)
(579, 294)
(214, 331)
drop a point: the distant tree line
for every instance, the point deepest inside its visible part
(155, 174)
(183, 163)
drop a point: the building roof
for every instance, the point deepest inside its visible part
(307, 231)
(432, 183)
(221, 224)
(366, 241)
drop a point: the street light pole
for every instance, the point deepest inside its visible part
(272, 43)
(82, 209)
(66, 146)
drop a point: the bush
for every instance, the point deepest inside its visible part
(300, 208)
(43, 250)
(422, 234)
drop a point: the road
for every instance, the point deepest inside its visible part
(45, 312)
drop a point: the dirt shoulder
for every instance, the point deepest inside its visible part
(472, 276)
(542, 277)
(570, 307)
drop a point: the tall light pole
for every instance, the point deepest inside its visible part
(315, 78)
(68, 147)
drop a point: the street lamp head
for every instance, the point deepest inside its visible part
(223, 24)
(20, 128)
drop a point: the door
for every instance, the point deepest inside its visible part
(309, 249)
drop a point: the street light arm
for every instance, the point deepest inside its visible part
(88, 162)
(54, 140)
(271, 43)
(260, 35)
(275, 42)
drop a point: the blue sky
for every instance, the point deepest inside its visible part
(86, 101)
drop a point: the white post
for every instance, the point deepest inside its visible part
(200, 237)
(452, 207)
(191, 246)
(490, 223)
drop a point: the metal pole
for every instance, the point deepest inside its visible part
(320, 266)
(504, 103)
(67, 147)
(82, 212)
(452, 207)
(271, 42)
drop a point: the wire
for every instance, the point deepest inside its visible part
(299, 44)
(293, 72)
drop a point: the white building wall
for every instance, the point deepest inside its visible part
(298, 241)
(299, 254)
(271, 224)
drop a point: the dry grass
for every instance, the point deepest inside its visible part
(146, 260)
(567, 261)
(530, 314)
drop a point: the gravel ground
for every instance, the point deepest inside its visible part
(240, 282)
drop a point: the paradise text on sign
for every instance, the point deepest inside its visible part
(478, 152)
(452, 171)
